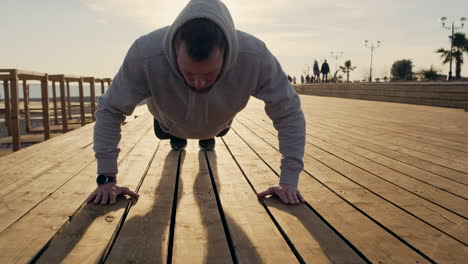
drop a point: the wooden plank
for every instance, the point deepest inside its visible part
(72, 78)
(19, 244)
(47, 155)
(63, 104)
(56, 77)
(90, 232)
(22, 199)
(403, 131)
(436, 152)
(443, 122)
(410, 171)
(52, 153)
(426, 189)
(15, 116)
(82, 109)
(387, 186)
(58, 128)
(37, 153)
(255, 237)
(199, 235)
(376, 146)
(421, 236)
(5, 151)
(26, 139)
(144, 237)
(4, 77)
(27, 74)
(6, 89)
(375, 243)
(442, 126)
(45, 108)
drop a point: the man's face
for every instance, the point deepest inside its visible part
(199, 75)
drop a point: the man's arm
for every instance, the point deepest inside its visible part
(283, 106)
(128, 88)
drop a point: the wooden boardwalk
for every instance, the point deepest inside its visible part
(384, 183)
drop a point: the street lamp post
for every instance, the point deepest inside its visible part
(371, 47)
(336, 55)
(462, 21)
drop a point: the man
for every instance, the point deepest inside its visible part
(325, 70)
(196, 75)
(316, 71)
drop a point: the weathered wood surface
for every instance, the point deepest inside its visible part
(384, 183)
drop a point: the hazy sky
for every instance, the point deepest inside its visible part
(91, 37)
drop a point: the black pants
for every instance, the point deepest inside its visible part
(163, 135)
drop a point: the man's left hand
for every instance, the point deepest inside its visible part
(287, 193)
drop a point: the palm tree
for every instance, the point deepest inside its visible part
(460, 45)
(347, 68)
(430, 74)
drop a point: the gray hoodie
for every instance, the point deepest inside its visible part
(150, 72)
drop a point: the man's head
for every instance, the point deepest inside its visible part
(200, 47)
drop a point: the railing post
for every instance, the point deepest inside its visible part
(63, 105)
(6, 88)
(27, 115)
(102, 87)
(82, 109)
(69, 101)
(15, 116)
(54, 100)
(93, 98)
(45, 106)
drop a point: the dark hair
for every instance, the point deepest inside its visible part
(201, 36)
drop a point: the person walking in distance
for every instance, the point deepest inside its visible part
(316, 71)
(325, 70)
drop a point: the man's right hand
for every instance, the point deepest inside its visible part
(107, 194)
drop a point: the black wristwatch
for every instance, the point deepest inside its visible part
(103, 179)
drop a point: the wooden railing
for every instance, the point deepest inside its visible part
(11, 79)
(442, 94)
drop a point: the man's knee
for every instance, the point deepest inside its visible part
(224, 132)
(159, 132)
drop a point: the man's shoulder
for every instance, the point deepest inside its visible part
(249, 43)
(151, 44)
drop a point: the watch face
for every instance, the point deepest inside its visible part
(101, 179)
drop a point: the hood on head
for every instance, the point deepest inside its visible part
(213, 10)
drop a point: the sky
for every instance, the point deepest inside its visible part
(91, 37)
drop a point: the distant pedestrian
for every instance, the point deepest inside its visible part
(302, 79)
(289, 79)
(307, 78)
(325, 70)
(294, 80)
(316, 72)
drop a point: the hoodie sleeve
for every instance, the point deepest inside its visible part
(283, 106)
(129, 87)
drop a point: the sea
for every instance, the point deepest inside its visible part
(35, 90)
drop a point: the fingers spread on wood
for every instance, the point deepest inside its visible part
(91, 197)
(98, 197)
(105, 198)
